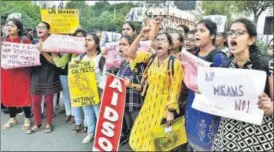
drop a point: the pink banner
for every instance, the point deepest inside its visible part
(113, 59)
(64, 44)
(17, 55)
(191, 64)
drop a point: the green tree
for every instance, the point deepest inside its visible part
(30, 13)
(254, 7)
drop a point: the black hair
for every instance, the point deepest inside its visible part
(181, 38)
(252, 32)
(129, 39)
(96, 40)
(191, 32)
(270, 42)
(47, 24)
(18, 23)
(186, 29)
(29, 29)
(211, 26)
(131, 25)
(80, 30)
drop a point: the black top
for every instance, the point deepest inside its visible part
(45, 78)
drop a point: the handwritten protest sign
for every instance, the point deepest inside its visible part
(231, 93)
(82, 84)
(109, 124)
(17, 55)
(62, 21)
(136, 14)
(191, 64)
(113, 59)
(64, 44)
(220, 21)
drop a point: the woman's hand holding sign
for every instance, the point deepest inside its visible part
(266, 104)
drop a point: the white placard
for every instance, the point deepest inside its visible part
(220, 21)
(231, 93)
(136, 14)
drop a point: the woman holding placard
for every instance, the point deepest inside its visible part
(201, 127)
(44, 82)
(164, 84)
(234, 135)
(91, 112)
(15, 83)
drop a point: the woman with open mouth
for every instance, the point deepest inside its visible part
(201, 127)
(15, 83)
(161, 99)
(234, 135)
(44, 82)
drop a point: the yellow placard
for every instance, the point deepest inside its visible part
(82, 84)
(62, 21)
(166, 141)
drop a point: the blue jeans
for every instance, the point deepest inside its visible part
(91, 114)
(65, 91)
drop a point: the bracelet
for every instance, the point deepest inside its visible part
(171, 110)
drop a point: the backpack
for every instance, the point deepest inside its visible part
(211, 55)
(102, 61)
(22, 38)
(144, 85)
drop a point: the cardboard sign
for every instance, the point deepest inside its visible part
(109, 124)
(17, 55)
(111, 36)
(220, 21)
(64, 44)
(82, 84)
(191, 64)
(136, 14)
(113, 59)
(231, 93)
(62, 21)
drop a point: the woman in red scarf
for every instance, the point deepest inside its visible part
(15, 83)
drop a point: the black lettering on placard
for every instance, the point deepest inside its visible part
(209, 76)
(242, 105)
(228, 91)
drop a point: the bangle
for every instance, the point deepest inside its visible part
(171, 110)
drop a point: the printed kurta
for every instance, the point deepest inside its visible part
(160, 94)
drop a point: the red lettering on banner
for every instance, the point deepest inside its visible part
(110, 119)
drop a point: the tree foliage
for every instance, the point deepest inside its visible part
(229, 7)
(30, 13)
(101, 16)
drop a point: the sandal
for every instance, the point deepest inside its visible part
(27, 125)
(67, 119)
(36, 128)
(12, 122)
(48, 128)
(76, 129)
(72, 120)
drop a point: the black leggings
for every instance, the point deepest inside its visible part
(27, 112)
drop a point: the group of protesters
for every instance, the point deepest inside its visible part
(166, 96)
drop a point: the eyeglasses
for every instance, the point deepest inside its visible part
(237, 33)
(40, 27)
(160, 40)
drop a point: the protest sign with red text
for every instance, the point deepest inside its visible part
(109, 124)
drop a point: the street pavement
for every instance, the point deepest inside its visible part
(61, 139)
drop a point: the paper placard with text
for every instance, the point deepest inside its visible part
(231, 93)
(109, 124)
(62, 21)
(64, 44)
(17, 55)
(82, 84)
(113, 59)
